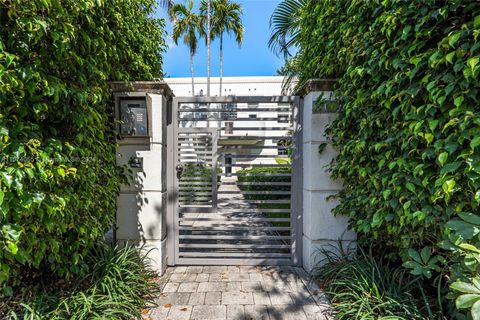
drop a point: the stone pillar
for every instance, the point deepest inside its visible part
(321, 229)
(141, 212)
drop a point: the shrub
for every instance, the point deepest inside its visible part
(368, 288)
(119, 286)
(264, 175)
(408, 132)
(58, 178)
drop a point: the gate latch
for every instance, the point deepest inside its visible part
(179, 169)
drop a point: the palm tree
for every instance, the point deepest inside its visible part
(285, 26)
(167, 4)
(186, 23)
(226, 18)
(209, 32)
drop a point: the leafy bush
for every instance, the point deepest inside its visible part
(119, 286)
(58, 178)
(264, 175)
(368, 288)
(408, 132)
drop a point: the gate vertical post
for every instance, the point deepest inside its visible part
(297, 181)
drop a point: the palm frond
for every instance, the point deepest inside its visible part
(285, 26)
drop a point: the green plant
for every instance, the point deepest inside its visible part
(408, 129)
(226, 18)
(369, 288)
(188, 24)
(119, 286)
(58, 175)
(264, 176)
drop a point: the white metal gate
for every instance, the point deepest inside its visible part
(234, 177)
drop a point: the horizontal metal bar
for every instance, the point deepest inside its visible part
(235, 211)
(254, 128)
(256, 183)
(234, 254)
(235, 99)
(234, 262)
(237, 219)
(253, 201)
(239, 109)
(205, 183)
(192, 193)
(234, 246)
(222, 237)
(257, 156)
(227, 228)
(257, 175)
(230, 120)
(256, 192)
(257, 165)
(227, 148)
(252, 137)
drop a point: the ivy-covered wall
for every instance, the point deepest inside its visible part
(408, 133)
(58, 177)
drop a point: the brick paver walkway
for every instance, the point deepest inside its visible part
(221, 292)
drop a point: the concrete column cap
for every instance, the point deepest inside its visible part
(155, 87)
(315, 85)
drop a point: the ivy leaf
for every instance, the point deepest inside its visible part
(476, 22)
(449, 57)
(453, 39)
(442, 158)
(448, 186)
(429, 137)
(458, 101)
(410, 186)
(470, 217)
(450, 167)
(475, 142)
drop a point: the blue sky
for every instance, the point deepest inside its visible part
(254, 58)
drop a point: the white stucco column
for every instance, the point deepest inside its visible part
(321, 229)
(141, 209)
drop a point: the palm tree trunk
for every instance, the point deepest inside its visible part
(221, 62)
(208, 47)
(192, 71)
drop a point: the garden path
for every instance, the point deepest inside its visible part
(238, 292)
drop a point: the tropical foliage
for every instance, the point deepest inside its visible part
(226, 18)
(285, 25)
(408, 131)
(366, 287)
(187, 24)
(120, 285)
(58, 174)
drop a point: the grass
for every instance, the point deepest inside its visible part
(119, 286)
(367, 288)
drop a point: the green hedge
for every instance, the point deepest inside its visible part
(408, 133)
(266, 176)
(58, 178)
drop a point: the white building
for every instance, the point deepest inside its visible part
(238, 86)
